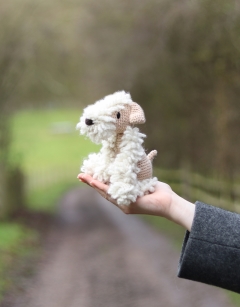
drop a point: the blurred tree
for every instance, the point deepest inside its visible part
(11, 64)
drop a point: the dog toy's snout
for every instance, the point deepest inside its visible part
(88, 121)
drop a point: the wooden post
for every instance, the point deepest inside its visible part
(3, 201)
(15, 192)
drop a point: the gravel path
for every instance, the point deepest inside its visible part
(98, 257)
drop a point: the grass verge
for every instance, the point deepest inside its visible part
(17, 241)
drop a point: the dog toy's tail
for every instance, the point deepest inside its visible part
(151, 155)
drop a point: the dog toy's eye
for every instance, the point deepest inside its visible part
(118, 115)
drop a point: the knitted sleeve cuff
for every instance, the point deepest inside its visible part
(211, 251)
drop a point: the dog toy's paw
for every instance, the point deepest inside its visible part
(147, 186)
(94, 168)
(89, 165)
(124, 193)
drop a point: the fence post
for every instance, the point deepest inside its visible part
(3, 202)
(15, 192)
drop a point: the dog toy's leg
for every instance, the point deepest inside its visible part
(147, 186)
(123, 192)
(124, 170)
(89, 165)
(97, 164)
(123, 180)
(96, 167)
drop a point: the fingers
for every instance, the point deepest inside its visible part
(93, 183)
(85, 178)
(100, 187)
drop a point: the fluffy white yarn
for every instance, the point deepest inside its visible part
(119, 171)
(125, 186)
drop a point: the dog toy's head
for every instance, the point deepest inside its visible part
(110, 116)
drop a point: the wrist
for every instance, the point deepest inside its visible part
(181, 211)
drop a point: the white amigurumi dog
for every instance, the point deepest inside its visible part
(122, 162)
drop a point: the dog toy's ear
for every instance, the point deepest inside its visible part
(137, 115)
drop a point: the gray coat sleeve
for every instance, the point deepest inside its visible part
(211, 251)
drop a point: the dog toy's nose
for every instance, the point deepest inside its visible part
(88, 122)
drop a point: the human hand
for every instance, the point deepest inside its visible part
(163, 202)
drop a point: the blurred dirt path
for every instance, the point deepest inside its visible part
(98, 257)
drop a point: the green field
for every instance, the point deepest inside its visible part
(50, 151)
(17, 243)
(44, 139)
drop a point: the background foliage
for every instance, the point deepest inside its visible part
(180, 59)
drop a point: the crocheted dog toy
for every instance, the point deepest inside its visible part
(122, 162)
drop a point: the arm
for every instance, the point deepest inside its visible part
(211, 251)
